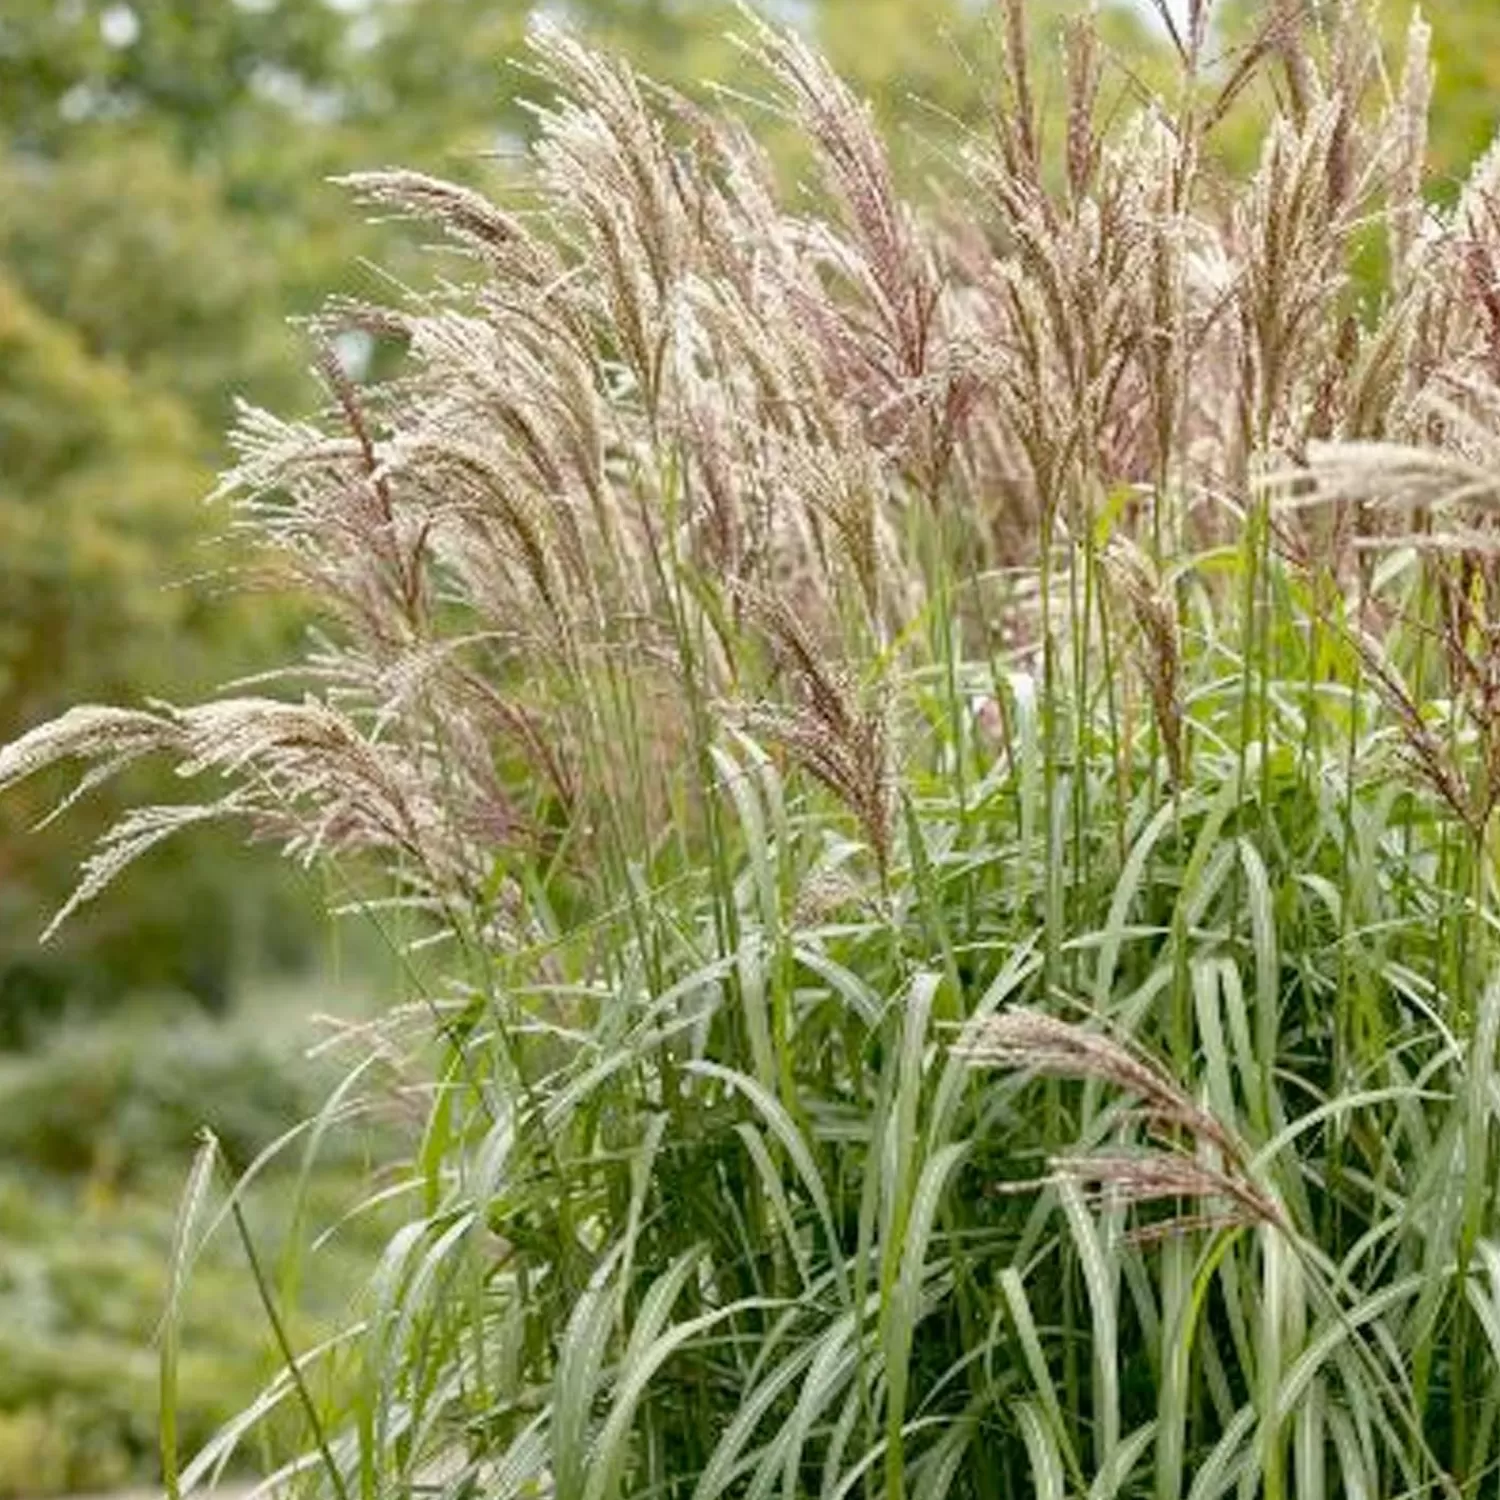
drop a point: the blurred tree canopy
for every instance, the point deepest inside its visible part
(1466, 54)
(95, 489)
(164, 209)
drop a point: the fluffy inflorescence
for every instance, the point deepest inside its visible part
(667, 428)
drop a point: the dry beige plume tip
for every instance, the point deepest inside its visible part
(1027, 1040)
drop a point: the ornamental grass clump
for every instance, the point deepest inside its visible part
(936, 770)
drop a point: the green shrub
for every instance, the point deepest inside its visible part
(33, 1455)
(84, 1275)
(96, 1133)
(120, 1096)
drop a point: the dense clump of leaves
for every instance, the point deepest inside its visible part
(949, 762)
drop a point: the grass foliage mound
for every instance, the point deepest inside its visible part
(948, 760)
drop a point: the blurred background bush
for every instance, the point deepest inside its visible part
(164, 212)
(97, 1123)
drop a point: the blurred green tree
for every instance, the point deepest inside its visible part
(160, 171)
(1466, 58)
(95, 493)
